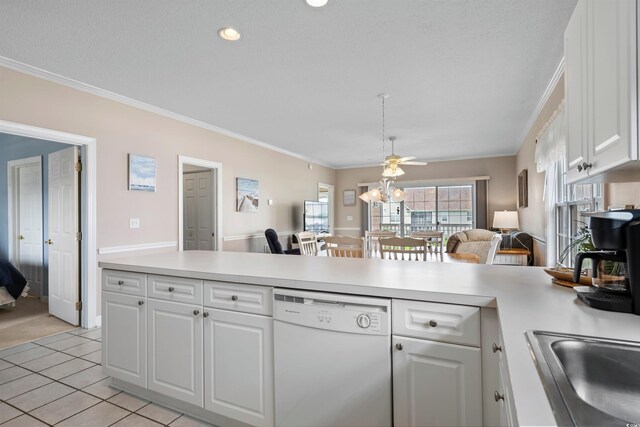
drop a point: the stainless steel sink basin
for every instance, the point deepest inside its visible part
(589, 381)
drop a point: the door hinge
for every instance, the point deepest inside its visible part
(79, 236)
(79, 305)
(79, 167)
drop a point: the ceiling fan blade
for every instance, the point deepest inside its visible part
(415, 163)
(406, 159)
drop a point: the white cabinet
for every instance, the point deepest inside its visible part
(124, 337)
(437, 381)
(238, 366)
(600, 87)
(436, 384)
(175, 350)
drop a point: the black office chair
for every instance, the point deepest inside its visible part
(274, 244)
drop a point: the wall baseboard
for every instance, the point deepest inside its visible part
(139, 247)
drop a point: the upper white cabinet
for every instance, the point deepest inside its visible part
(601, 87)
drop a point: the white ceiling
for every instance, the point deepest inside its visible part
(464, 76)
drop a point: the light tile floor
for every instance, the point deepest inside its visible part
(58, 380)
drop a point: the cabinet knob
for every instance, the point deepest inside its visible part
(140, 302)
(497, 396)
(234, 298)
(171, 289)
(579, 168)
(433, 323)
(48, 242)
(399, 346)
(196, 312)
(120, 282)
(205, 314)
(21, 237)
(496, 348)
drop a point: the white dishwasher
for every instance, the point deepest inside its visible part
(332, 356)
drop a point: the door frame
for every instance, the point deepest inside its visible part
(216, 170)
(88, 179)
(13, 167)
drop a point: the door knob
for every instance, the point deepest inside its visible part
(48, 242)
(20, 237)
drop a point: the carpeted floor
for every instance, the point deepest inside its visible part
(28, 321)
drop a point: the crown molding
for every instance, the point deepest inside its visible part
(93, 90)
(541, 103)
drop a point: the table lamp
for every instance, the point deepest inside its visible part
(506, 221)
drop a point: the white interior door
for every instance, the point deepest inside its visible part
(27, 188)
(199, 211)
(63, 242)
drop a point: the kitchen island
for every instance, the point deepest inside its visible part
(523, 298)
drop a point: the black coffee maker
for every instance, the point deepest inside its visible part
(616, 236)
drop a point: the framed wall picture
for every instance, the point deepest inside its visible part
(523, 189)
(142, 173)
(349, 198)
(246, 195)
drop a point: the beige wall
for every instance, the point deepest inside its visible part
(532, 218)
(121, 129)
(619, 195)
(502, 183)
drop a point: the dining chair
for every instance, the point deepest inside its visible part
(403, 248)
(308, 243)
(434, 239)
(344, 246)
(371, 246)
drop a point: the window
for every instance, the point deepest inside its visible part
(572, 200)
(449, 208)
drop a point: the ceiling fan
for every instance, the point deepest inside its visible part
(393, 162)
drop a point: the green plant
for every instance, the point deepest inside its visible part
(580, 241)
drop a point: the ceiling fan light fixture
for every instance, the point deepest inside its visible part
(398, 195)
(316, 3)
(229, 34)
(392, 171)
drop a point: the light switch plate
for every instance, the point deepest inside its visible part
(349, 217)
(134, 222)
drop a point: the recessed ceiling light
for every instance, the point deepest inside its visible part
(317, 3)
(228, 33)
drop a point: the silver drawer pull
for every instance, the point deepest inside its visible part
(120, 282)
(234, 298)
(196, 312)
(496, 348)
(140, 302)
(433, 323)
(497, 396)
(171, 289)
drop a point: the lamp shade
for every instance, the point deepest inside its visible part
(506, 220)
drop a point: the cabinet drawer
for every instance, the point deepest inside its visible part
(458, 324)
(124, 282)
(239, 297)
(179, 289)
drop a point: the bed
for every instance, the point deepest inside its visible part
(12, 284)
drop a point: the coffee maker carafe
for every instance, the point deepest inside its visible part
(615, 262)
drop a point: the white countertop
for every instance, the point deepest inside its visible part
(524, 297)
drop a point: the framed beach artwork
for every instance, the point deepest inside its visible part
(142, 173)
(246, 195)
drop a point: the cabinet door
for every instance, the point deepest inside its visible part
(124, 336)
(239, 366)
(436, 384)
(612, 82)
(175, 350)
(575, 51)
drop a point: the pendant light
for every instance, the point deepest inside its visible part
(385, 191)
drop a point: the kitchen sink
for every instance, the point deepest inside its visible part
(589, 380)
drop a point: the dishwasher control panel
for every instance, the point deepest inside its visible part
(369, 316)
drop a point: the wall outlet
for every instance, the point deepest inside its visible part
(349, 217)
(270, 202)
(134, 222)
